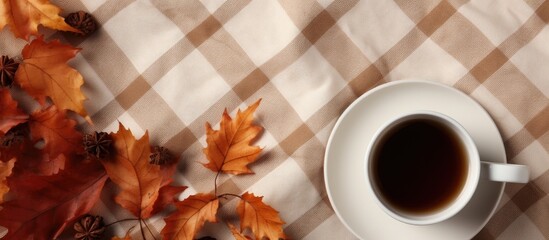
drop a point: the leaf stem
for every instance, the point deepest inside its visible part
(215, 181)
(141, 228)
(122, 220)
(146, 225)
(224, 195)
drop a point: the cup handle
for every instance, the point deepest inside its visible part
(500, 172)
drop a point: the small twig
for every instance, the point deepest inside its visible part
(123, 220)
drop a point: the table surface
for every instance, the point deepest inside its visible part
(169, 66)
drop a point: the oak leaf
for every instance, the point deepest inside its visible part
(5, 171)
(237, 234)
(262, 219)
(57, 131)
(138, 180)
(190, 216)
(229, 148)
(10, 115)
(44, 73)
(42, 206)
(24, 16)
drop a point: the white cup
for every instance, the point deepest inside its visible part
(476, 169)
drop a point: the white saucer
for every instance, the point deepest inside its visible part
(344, 160)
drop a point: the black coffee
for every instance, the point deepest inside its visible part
(420, 166)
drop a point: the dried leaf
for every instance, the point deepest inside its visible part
(261, 218)
(229, 148)
(42, 206)
(5, 171)
(167, 194)
(237, 234)
(33, 161)
(190, 217)
(24, 16)
(127, 237)
(138, 180)
(10, 115)
(44, 73)
(57, 131)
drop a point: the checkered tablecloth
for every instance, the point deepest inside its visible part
(170, 65)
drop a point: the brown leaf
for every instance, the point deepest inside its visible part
(138, 180)
(237, 234)
(127, 237)
(229, 147)
(24, 16)
(190, 217)
(57, 131)
(42, 206)
(5, 171)
(261, 218)
(44, 73)
(167, 193)
(10, 115)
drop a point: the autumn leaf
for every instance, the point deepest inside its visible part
(24, 16)
(237, 234)
(167, 194)
(33, 161)
(42, 206)
(57, 131)
(138, 180)
(261, 218)
(127, 237)
(5, 171)
(190, 216)
(228, 148)
(44, 73)
(10, 115)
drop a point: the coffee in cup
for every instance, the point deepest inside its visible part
(424, 167)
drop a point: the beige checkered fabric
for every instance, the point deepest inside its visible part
(170, 65)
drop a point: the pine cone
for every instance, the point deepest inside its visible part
(98, 144)
(8, 67)
(82, 21)
(89, 228)
(160, 156)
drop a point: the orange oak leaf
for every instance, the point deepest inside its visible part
(57, 131)
(10, 115)
(190, 216)
(138, 180)
(261, 218)
(228, 148)
(44, 73)
(24, 16)
(41, 207)
(237, 234)
(5, 171)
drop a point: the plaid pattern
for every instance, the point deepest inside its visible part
(169, 66)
